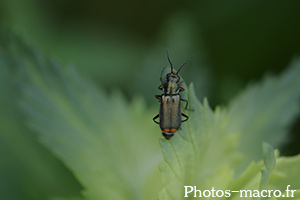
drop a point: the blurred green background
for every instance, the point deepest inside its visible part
(122, 44)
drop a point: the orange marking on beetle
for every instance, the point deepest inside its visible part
(167, 130)
(180, 85)
(173, 130)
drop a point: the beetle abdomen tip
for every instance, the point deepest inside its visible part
(167, 136)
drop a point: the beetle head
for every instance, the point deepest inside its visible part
(173, 76)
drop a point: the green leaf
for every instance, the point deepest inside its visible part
(269, 160)
(105, 142)
(110, 145)
(262, 112)
(258, 177)
(286, 173)
(268, 156)
(249, 180)
(27, 169)
(286, 176)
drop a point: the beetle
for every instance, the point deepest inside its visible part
(170, 101)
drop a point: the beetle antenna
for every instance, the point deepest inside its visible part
(184, 64)
(169, 60)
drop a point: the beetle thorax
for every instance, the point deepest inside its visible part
(171, 88)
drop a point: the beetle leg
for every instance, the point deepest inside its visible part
(158, 97)
(154, 118)
(161, 87)
(186, 117)
(186, 104)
